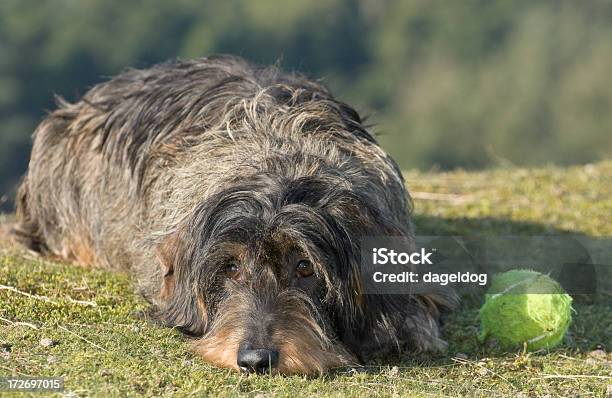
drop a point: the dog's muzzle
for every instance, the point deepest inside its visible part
(257, 361)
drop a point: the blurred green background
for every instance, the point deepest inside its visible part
(448, 84)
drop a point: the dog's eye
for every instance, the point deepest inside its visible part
(232, 270)
(304, 269)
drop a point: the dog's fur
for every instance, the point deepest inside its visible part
(176, 171)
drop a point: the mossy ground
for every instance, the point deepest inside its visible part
(102, 348)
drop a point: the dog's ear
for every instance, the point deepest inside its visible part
(167, 253)
(390, 325)
(176, 304)
(394, 326)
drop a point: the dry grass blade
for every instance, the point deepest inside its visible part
(84, 339)
(33, 296)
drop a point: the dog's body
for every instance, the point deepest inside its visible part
(237, 197)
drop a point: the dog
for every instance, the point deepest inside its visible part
(236, 195)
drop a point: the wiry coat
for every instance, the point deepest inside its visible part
(172, 171)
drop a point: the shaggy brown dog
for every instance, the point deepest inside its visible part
(237, 197)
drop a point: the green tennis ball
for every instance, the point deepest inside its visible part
(525, 307)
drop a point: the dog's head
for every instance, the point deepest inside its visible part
(266, 275)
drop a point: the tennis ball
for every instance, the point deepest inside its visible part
(524, 306)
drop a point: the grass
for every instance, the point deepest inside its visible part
(102, 348)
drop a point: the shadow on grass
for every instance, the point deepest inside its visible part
(589, 329)
(580, 263)
(429, 225)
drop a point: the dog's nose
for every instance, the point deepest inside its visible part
(258, 361)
